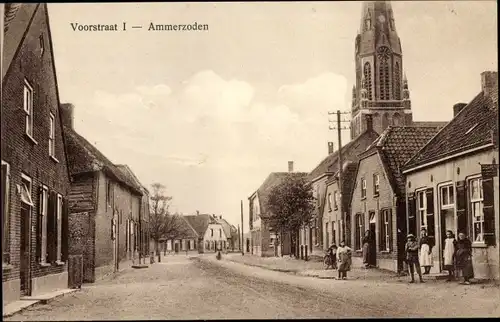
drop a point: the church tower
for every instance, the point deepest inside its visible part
(381, 88)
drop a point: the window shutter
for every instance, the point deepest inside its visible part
(39, 226)
(443, 225)
(65, 232)
(489, 211)
(52, 228)
(429, 195)
(412, 209)
(461, 199)
(390, 229)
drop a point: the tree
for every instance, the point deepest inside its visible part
(163, 225)
(291, 204)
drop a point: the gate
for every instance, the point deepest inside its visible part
(75, 271)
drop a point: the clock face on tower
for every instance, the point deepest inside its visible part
(383, 52)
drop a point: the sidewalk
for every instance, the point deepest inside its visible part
(28, 301)
(316, 269)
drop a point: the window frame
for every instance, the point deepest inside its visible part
(422, 219)
(25, 177)
(44, 211)
(449, 187)
(385, 233)
(471, 209)
(28, 92)
(335, 203)
(59, 214)
(330, 201)
(6, 216)
(359, 231)
(363, 188)
(376, 184)
(52, 135)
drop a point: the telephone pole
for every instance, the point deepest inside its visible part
(241, 242)
(339, 129)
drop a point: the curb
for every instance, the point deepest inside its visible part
(6, 315)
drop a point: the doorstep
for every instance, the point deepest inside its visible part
(46, 297)
(17, 306)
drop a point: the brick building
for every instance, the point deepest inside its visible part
(104, 206)
(452, 183)
(378, 201)
(312, 236)
(264, 240)
(144, 219)
(332, 218)
(35, 179)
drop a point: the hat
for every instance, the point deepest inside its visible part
(410, 236)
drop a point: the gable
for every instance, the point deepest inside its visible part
(367, 168)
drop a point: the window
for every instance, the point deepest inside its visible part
(422, 209)
(327, 235)
(52, 136)
(363, 188)
(447, 197)
(367, 74)
(330, 201)
(28, 108)
(359, 231)
(108, 192)
(476, 208)
(384, 77)
(42, 45)
(397, 80)
(26, 190)
(335, 197)
(59, 226)
(376, 184)
(44, 202)
(5, 212)
(385, 232)
(211, 232)
(334, 233)
(220, 232)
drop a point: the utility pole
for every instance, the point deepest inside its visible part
(339, 128)
(241, 242)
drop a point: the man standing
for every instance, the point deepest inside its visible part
(411, 250)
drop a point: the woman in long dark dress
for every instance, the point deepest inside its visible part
(463, 257)
(367, 249)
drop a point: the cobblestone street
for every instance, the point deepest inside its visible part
(202, 288)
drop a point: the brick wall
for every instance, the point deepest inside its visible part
(21, 152)
(367, 168)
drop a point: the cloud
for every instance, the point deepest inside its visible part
(211, 135)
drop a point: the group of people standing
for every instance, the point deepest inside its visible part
(341, 259)
(457, 256)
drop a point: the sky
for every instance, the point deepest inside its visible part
(210, 114)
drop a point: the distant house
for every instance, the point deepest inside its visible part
(311, 236)
(211, 235)
(452, 182)
(186, 238)
(34, 177)
(265, 241)
(378, 201)
(104, 207)
(231, 233)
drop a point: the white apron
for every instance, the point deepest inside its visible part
(425, 257)
(449, 250)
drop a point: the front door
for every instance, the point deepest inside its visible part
(25, 250)
(447, 223)
(372, 260)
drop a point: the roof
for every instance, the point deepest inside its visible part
(348, 181)
(474, 126)
(125, 169)
(200, 222)
(350, 152)
(429, 124)
(83, 157)
(274, 179)
(187, 228)
(225, 226)
(396, 145)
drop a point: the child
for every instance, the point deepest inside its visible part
(332, 251)
(450, 245)
(411, 250)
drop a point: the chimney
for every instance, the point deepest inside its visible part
(290, 166)
(220, 217)
(369, 122)
(489, 82)
(330, 147)
(67, 114)
(197, 212)
(458, 107)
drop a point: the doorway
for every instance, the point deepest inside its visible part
(447, 223)
(176, 247)
(25, 267)
(248, 245)
(372, 258)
